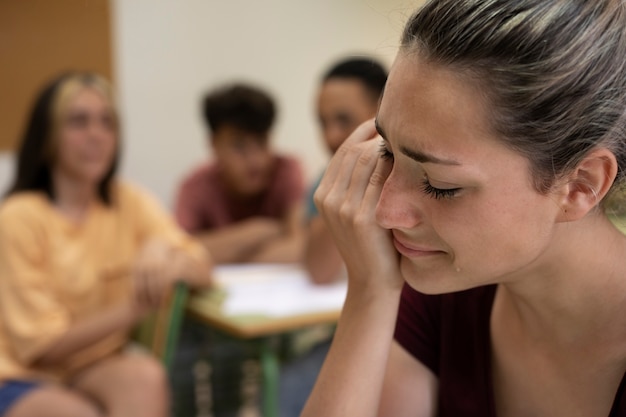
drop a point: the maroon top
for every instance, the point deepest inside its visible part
(203, 203)
(450, 335)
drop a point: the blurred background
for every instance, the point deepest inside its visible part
(162, 55)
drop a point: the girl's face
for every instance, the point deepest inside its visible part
(460, 204)
(245, 158)
(86, 139)
(342, 105)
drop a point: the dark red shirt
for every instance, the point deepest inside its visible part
(203, 202)
(450, 335)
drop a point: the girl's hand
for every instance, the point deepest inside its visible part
(155, 272)
(347, 197)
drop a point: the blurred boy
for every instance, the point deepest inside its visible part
(245, 205)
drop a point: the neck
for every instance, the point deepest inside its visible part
(73, 196)
(578, 293)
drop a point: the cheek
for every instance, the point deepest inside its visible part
(265, 159)
(495, 236)
(111, 142)
(334, 142)
(67, 146)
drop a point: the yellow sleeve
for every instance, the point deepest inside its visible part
(30, 316)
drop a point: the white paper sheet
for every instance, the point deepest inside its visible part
(276, 290)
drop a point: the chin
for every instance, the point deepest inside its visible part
(97, 175)
(254, 189)
(93, 176)
(432, 279)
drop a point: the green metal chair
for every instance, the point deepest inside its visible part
(159, 331)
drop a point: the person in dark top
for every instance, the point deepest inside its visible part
(348, 96)
(486, 277)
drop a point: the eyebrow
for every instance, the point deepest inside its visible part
(415, 155)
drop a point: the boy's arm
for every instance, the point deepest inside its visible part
(289, 245)
(240, 241)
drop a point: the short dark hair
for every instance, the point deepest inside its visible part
(34, 159)
(239, 105)
(371, 73)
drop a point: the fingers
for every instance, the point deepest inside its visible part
(365, 131)
(361, 176)
(347, 200)
(144, 287)
(154, 274)
(337, 167)
(376, 182)
(350, 198)
(152, 288)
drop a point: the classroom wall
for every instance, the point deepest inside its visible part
(168, 52)
(40, 39)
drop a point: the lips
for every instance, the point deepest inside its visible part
(412, 250)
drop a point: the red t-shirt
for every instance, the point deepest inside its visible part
(203, 203)
(450, 335)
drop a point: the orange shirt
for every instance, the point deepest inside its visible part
(54, 272)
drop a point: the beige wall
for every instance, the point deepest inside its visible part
(167, 52)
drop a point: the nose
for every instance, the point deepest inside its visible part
(397, 207)
(255, 156)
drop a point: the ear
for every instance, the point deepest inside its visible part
(587, 185)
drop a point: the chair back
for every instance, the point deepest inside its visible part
(159, 331)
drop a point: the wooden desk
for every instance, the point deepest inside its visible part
(263, 329)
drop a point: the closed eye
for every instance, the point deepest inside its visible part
(427, 188)
(438, 193)
(384, 152)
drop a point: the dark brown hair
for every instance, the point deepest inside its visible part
(369, 72)
(554, 72)
(239, 105)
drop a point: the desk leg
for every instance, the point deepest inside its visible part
(270, 372)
